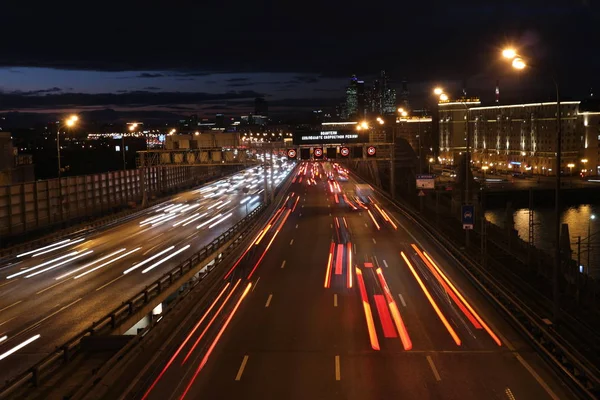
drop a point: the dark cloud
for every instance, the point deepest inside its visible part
(150, 75)
(127, 99)
(38, 92)
(241, 84)
(236, 80)
(151, 88)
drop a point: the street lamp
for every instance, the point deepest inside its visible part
(592, 217)
(438, 91)
(431, 160)
(68, 123)
(484, 169)
(570, 165)
(519, 63)
(132, 128)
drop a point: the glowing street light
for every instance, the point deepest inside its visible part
(438, 91)
(518, 63)
(443, 97)
(509, 53)
(364, 125)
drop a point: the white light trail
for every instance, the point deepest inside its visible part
(198, 217)
(25, 271)
(43, 248)
(156, 264)
(59, 264)
(254, 199)
(59, 247)
(19, 346)
(136, 266)
(153, 219)
(209, 221)
(3, 338)
(177, 208)
(221, 220)
(215, 204)
(164, 208)
(224, 204)
(106, 263)
(92, 263)
(186, 219)
(170, 217)
(245, 200)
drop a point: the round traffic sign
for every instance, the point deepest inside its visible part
(371, 150)
(318, 152)
(344, 151)
(291, 153)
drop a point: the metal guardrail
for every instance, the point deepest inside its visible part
(91, 226)
(109, 322)
(583, 377)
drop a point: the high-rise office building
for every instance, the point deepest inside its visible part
(382, 97)
(261, 107)
(355, 99)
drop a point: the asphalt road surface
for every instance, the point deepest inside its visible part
(335, 299)
(49, 295)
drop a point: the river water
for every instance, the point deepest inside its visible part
(579, 219)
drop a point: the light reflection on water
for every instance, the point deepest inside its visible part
(578, 218)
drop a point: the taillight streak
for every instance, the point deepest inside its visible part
(367, 309)
(209, 324)
(447, 289)
(485, 326)
(329, 263)
(216, 340)
(243, 255)
(374, 221)
(349, 268)
(338, 259)
(432, 301)
(296, 203)
(189, 336)
(402, 331)
(269, 245)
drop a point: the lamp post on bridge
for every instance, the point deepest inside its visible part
(68, 123)
(518, 62)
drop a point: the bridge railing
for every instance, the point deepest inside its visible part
(33, 375)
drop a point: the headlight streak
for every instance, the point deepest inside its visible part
(43, 248)
(59, 247)
(25, 271)
(136, 266)
(209, 221)
(156, 264)
(194, 219)
(91, 263)
(19, 346)
(106, 263)
(219, 221)
(60, 263)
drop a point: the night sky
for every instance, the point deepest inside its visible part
(196, 58)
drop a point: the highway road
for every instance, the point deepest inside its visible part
(341, 299)
(52, 293)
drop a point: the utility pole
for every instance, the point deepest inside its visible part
(271, 170)
(467, 167)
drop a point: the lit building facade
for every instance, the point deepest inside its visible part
(418, 132)
(521, 137)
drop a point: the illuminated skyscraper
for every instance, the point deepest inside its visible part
(355, 99)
